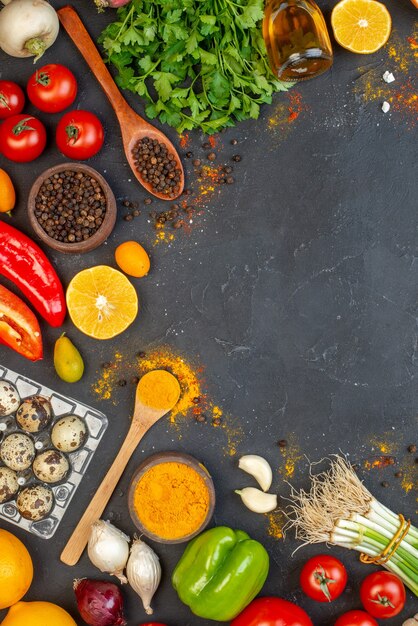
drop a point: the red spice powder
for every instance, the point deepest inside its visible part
(213, 140)
(406, 102)
(413, 43)
(295, 105)
(380, 462)
(185, 140)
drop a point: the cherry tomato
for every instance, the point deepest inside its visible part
(323, 578)
(12, 99)
(53, 88)
(79, 135)
(382, 594)
(272, 612)
(356, 618)
(22, 138)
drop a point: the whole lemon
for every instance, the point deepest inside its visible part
(16, 569)
(132, 259)
(37, 614)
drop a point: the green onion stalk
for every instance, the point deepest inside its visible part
(340, 511)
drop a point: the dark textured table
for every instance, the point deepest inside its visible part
(296, 289)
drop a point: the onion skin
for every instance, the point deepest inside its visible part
(99, 603)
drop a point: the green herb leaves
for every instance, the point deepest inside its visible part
(199, 63)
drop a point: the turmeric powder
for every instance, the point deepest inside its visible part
(171, 500)
(159, 389)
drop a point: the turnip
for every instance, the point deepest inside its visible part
(27, 27)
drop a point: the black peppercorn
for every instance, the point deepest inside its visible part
(282, 443)
(68, 199)
(211, 156)
(237, 158)
(412, 448)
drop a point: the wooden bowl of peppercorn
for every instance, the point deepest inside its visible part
(72, 208)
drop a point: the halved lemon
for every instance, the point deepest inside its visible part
(362, 26)
(101, 302)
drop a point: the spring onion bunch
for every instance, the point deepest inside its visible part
(339, 510)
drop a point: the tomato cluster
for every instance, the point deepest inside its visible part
(51, 89)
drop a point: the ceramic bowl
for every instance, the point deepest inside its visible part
(174, 457)
(99, 236)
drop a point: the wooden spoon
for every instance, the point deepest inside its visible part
(132, 125)
(144, 417)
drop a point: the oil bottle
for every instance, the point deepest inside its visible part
(297, 39)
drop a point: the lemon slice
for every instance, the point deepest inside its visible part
(361, 26)
(101, 302)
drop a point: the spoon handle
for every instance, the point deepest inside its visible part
(82, 40)
(80, 536)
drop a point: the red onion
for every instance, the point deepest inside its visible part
(115, 4)
(99, 603)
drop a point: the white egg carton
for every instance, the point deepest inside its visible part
(79, 460)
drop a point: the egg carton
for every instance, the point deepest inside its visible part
(79, 460)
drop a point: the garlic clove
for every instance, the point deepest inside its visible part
(257, 500)
(144, 572)
(257, 467)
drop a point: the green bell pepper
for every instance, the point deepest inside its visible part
(220, 572)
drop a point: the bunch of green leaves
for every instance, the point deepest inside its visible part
(199, 63)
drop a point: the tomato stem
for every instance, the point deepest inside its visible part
(72, 133)
(383, 600)
(4, 101)
(323, 582)
(22, 126)
(42, 78)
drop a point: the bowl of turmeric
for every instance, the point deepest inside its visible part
(171, 497)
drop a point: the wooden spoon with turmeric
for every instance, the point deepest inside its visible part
(157, 393)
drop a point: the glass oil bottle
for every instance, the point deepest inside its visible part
(297, 39)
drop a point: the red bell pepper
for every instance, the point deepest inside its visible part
(23, 262)
(19, 328)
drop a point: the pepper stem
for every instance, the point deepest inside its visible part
(35, 46)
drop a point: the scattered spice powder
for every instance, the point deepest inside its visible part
(109, 378)
(285, 113)
(290, 455)
(393, 452)
(401, 94)
(277, 521)
(185, 140)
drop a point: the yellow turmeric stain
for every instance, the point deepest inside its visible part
(291, 456)
(162, 236)
(234, 434)
(276, 523)
(108, 379)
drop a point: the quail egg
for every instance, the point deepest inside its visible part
(69, 433)
(9, 398)
(50, 466)
(8, 484)
(17, 451)
(35, 502)
(34, 414)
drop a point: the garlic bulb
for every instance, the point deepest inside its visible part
(257, 500)
(412, 621)
(143, 572)
(108, 549)
(257, 467)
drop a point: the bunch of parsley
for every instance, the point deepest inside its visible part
(199, 63)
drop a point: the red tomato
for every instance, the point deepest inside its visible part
(323, 578)
(12, 99)
(22, 138)
(272, 612)
(19, 328)
(79, 135)
(356, 618)
(382, 594)
(152, 624)
(53, 88)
